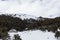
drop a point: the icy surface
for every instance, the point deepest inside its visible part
(35, 35)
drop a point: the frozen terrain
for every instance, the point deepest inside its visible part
(34, 35)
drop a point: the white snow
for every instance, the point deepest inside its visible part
(58, 29)
(45, 8)
(35, 35)
(22, 16)
(25, 16)
(0, 39)
(58, 38)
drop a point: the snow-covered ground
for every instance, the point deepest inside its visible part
(35, 35)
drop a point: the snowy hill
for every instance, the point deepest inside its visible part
(22, 16)
(25, 16)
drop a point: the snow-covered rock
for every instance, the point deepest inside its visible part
(12, 30)
(58, 29)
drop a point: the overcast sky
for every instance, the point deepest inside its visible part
(45, 8)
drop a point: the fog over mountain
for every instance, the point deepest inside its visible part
(45, 8)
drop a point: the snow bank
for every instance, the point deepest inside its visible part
(35, 35)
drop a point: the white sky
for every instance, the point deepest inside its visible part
(45, 8)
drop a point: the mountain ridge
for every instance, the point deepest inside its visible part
(22, 16)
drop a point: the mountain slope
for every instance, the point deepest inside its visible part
(23, 16)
